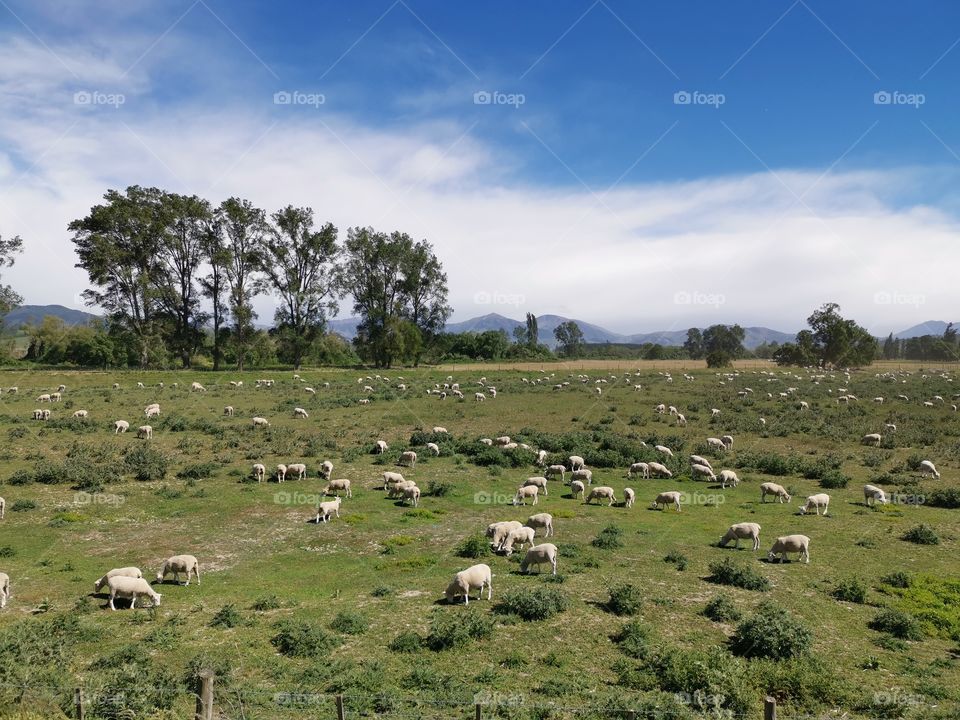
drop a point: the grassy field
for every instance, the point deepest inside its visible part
(289, 612)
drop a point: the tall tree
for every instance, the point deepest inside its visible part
(425, 287)
(213, 285)
(119, 245)
(889, 348)
(299, 264)
(831, 341)
(694, 344)
(528, 334)
(9, 248)
(722, 344)
(569, 338)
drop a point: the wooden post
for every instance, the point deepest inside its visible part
(205, 695)
(478, 711)
(78, 703)
(769, 708)
(631, 715)
(339, 707)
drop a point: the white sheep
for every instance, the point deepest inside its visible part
(326, 469)
(742, 531)
(120, 426)
(391, 478)
(577, 489)
(259, 472)
(601, 491)
(38, 414)
(228, 411)
(43, 398)
(704, 471)
(671, 497)
(541, 521)
(153, 411)
(408, 458)
(872, 492)
(310, 391)
(55, 397)
(4, 589)
(771, 488)
(698, 460)
(440, 430)
(364, 401)
(413, 493)
(179, 564)
(663, 450)
(335, 486)
(380, 447)
(197, 387)
(815, 502)
(121, 586)
(502, 440)
(681, 420)
(716, 443)
(499, 530)
(872, 439)
(328, 508)
(61, 388)
(543, 553)
(479, 397)
(524, 492)
(518, 536)
(299, 468)
(891, 427)
(475, 576)
(541, 457)
(260, 422)
(554, 470)
(582, 475)
(928, 468)
(728, 477)
(640, 468)
(660, 470)
(629, 496)
(434, 448)
(790, 543)
(131, 572)
(576, 462)
(281, 472)
(727, 441)
(537, 481)
(145, 432)
(300, 413)
(80, 414)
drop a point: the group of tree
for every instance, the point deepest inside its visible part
(153, 256)
(832, 341)
(945, 347)
(719, 345)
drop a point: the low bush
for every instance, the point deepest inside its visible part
(851, 590)
(451, 630)
(722, 609)
(298, 638)
(921, 534)
(729, 572)
(536, 604)
(897, 623)
(624, 599)
(610, 538)
(771, 632)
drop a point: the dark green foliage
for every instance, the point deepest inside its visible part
(228, 617)
(349, 622)
(834, 480)
(898, 579)
(454, 629)
(941, 497)
(633, 639)
(624, 599)
(146, 464)
(851, 590)
(900, 624)
(536, 604)
(679, 560)
(299, 638)
(406, 642)
(265, 602)
(921, 534)
(22, 505)
(722, 609)
(20, 477)
(475, 546)
(610, 538)
(198, 471)
(729, 572)
(771, 633)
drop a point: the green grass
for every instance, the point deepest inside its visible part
(352, 605)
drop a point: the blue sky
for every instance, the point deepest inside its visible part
(792, 158)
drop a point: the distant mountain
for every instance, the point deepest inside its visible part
(493, 321)
(346, 327)
(930, 327)
(591, 333)
(34, 315)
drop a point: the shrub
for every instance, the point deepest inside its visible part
(349, 623)
(771, 633)
(722, 609)
(265, 602)
(610, 538)
(728, 572)
(921, 534)
(146, 464)
(228, 616)
(624, 599)
(851, 591)
(450, 630)
(20, 477)
(381, 591)
(406, 642)
(475, 546)
(198, 471)
(633, 639)
(298, 638)
(678, 559)
(537, 604)
(439, 488)
(898, 579)
(897, 623)
(7, 552)
(23, 505)
(941, 497)
(834, 480)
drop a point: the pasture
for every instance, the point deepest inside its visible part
(289, 612)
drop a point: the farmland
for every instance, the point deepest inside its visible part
(289, 612)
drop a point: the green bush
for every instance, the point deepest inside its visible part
(610, 538)
(729, 572)
(624, 599)
(722, 609)
(381, 591)
(228, 616)
(22, 505)
(771, 633)
(679, 560)
(7, 552)
(536, 604)
(898, 579)
(475, 546)
(298, 638)
(897, 623)
(198, 471)
(941, 497)
(146, 464)
(265, 602)
(406, 642)
(349, 622)
(633, 639)
(834, 480)
(439, 488)
(850, 591)
(921, 534)
(451, 630)
(20, 477)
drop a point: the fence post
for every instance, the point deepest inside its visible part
(769, 708)
(339, 707)
(478, 711)
(78, 703)
(631, 715)
(204, 695)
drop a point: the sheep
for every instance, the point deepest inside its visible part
(281, 473)
(153, 411)
(335, 486)
(43, 398)
(728, 476)
(120, 426)
(541, 457)
(55, 397)
(475, 576)
(326, 469)
(179, 564)
(681, 420)
(4, 589)
(46, 415)
(524, 492)
(660, 409)
(438, 430)
(310, 391)
(698, 460)
(521, 536)
(380, 447)
(639, 467)
(391, 478)
(479, 397)
(671, 497)
(554, 470)
(576, 488)
(434, 448)
(80, 414)
(815, 502)
(790, 543)
(259, 472)
(131, 572)
(928, 468)
(872, 492)
(541, 521)
(716, 443)
(408, 458)
(804, 405)
(582, 475)
(197, 387)
(61, 388)
(502, 440)
(703, 470)
(660, 470)
(121, 586)
(576, 462)
(499, 530)
(260, 422)
(663, 450)
(727, 441)
(413, 493)
(742, 531)
(328, 508)
(299, 468)
(364, 401)
(714, 412)
(395, 490)
(38, 414)
(871, 439)
(537, 481)
(543, 553)
(628, 497)
(601, 491)
(891, 427)
(300, 413)
(228, 411)
(770, 488)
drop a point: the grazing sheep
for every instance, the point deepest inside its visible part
(259, 472)
(13, 390)
(660, 409)
(395, 490)
(788, 544)
(179, 564)
(537, 481)
(892, 427)
(499, 530)
(576, 462)
(541, 521)
(521, 535)
(55, 397)
(727, 441)
(300, 413)
(4, 589)
(326, 469)
(380, 447)
(328, 508)
(639, 467)
(716, 443)
(153, 411)
(928, 468)
(335, 486)
(804, 405)
(228, 411)
(872, 492)
(438, 430)
(81, 414)
(260, 422)
(310, 391)
(577, 488)
(38, 414)
(770, 488)
(628, 497)
(541, 457)
(524, 492)
(197, 387)
(434, 448)
(555, 470)
(728, 477)
(121, 586)
(543, 553)
(281, 472)
(742, 531)
(475, 576)
(145, 431)
(46, 415)
(872, 439)
(698, 460)
(582, 475)
(671, 497)
(502, 440)
(660, 470)
(663, 450)
(131, 572)
(43, 398)
(391, 478)
(364, 401)
(120, 426)
(299, 468)
(479, 397)
(413, 493)
(601, 491)
(815, 502)
(704, 471)
(61, 388)
(408, 458)
(681, 420)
